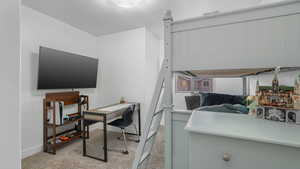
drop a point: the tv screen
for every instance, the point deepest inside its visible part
(63, 70)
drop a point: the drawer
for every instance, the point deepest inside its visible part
(207, 152)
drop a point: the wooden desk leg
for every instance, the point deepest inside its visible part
(105, 137)
(84, 141)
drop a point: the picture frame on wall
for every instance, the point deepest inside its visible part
(183, 83)
(190, 84)
(203, 85)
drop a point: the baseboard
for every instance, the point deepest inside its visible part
(31, 151)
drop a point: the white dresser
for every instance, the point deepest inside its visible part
(229, 141)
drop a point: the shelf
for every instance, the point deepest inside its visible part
(76, 137)
(72, 121)
(62, 133)
(278, 107)
(65, 123)
(50, 108)
(83, 103)
(68, 98)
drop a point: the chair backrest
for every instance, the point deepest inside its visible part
(128, 115)
(192, 102)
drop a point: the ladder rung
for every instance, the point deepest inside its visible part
(152, 125)
(148, 145)
(144, 157)
(144, 163)
(158, 112)
(151, 135)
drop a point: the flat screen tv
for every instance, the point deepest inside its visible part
(63, 70)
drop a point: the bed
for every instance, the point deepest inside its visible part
(238, 42)
(217, 102)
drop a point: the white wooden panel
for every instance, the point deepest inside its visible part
(206, 152)
(180, 145)
(209, 48)
(180, 142)
(245, 127)
(249, 14)
(292, 35)
(257, 44)
(265, 43)
(184, 117)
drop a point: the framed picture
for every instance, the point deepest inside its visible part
(260, 111)
(293, 116)
(275, 114)
(183, 83)
(190, 84)
(203, 85)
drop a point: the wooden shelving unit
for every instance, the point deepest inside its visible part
(52, 142)
(66, 122)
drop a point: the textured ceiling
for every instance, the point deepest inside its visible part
(100, 17)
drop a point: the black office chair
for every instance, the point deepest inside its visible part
(126, 121)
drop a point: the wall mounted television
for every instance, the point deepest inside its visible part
(64, 70)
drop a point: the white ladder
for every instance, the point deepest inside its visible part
(153, 120)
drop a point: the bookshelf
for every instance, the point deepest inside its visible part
(53, 131)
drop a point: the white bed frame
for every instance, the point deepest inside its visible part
(261, 37)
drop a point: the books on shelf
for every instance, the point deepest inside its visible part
(61, 115)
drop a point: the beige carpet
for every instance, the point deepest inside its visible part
(70, 157)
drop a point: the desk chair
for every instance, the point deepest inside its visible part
(126, 121)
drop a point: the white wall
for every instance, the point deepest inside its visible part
(10, 143)
(179, 100)
(130, 62)
(233, 86)
(153, 62)
(123, 61)
(41, 30)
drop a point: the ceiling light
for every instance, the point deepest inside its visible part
(127, 3)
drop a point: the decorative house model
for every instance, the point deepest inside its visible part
(296, 96)
(297, 86)
(275, 95)
(279, 103)
(283, 99)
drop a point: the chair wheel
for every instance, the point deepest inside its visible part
(137, 141)
(125, 152)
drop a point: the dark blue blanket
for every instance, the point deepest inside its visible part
(226, 108)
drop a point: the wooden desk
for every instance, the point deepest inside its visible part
(106, 114)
